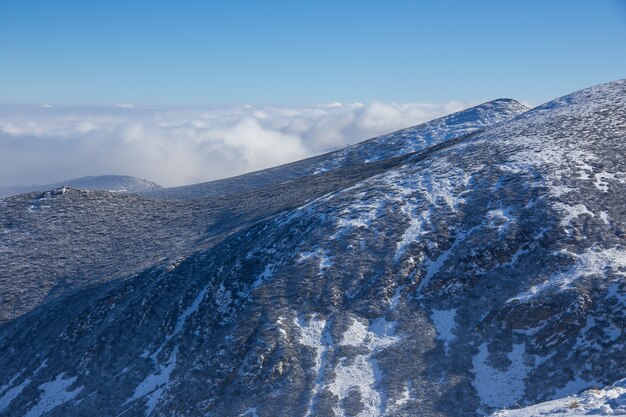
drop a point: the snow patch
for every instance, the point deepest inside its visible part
(594, 402)
(572, 212)
(500, 219)
(325, 261)
(355, 335)
(574, 386)
(264, 276)
(9, 393)
(358, 215)
(413, 232)
(361, 372)
(406, 395)
(314, 334)
(153, 386)
(499, 388)
(591, 262)
(155, 383)
(250, 412)
(433, 267)
(444, 321)
(55, 393)
(603, 185)
(189, 311)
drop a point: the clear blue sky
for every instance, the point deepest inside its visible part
(304, 52)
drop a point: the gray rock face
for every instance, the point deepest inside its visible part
(114, 183)
(481, 272)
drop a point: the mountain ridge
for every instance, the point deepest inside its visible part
(386, 146)
(113, 183)
(457, 280)
(155, 220)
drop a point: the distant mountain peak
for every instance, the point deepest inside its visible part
(113, 183)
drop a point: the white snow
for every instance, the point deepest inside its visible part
(361, 372)
(553, 161)
(500, 219)
(314, 334)
(395, 299)
(250, 412)
(572, 212)
(418, 137)
(354, 372)
(264, 276)
(325, 260)
(55, 393)
(9, 393)
(189, 311)
(359, 214)
(433, 267)
(610, 401)
(445, 324)
(355, 335)
(603, 185)
(416, 196)
(590, 262)
(495, 387)
(605, 217)
(406, 395)
(383, 328)
(575, 385)
(154, 384)
(414, 230)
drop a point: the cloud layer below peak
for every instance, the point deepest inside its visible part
(47, 144)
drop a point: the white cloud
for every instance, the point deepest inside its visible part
(181, 146)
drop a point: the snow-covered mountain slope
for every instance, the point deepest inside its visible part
(62, 240)
(479, 274)
(388, 146)
(113, 183)
(610, 401)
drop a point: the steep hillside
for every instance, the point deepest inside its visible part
(58, 241)
(483, 273)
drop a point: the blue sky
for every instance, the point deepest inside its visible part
(224, 53)
(189, 91)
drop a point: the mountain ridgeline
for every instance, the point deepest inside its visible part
(113, 183)
(469, 264)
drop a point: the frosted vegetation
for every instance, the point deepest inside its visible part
(467, 266)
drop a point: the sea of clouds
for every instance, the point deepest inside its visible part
(45, 144)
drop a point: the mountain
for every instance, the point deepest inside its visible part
(384, 147)
(480, 272)
(68, 238)
(113, 183)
